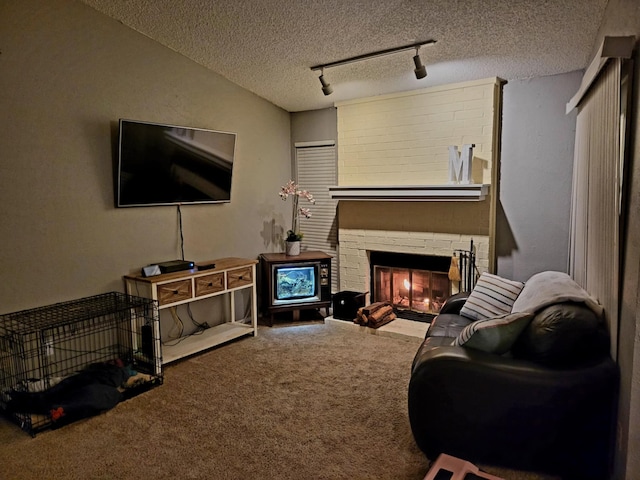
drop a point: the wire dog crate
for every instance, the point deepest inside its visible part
(52, 357)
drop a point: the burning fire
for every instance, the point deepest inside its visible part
(426, 302)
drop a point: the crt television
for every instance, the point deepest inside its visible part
(171, 165)
(300, 283)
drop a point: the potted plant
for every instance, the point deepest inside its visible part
(294, 236)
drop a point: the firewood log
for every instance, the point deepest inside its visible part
(372, 313)
(380, 313)
(368, 310)
(383, 321)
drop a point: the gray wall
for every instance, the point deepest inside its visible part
(622, 17)
(314, 125)
(628, 453)
(536, 175)
(68, 73)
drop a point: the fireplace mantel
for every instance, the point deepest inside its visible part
(411, 193)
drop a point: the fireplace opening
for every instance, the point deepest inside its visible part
(415, 285)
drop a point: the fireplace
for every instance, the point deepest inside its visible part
(410, 282)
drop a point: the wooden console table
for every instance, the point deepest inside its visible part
(172, 289)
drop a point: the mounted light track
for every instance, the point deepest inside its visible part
(367, 56)
(420, 70)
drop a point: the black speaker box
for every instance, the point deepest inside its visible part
(347, 303)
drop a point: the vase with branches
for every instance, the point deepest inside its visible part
(291, 189)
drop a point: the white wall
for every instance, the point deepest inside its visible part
(536, 175)
(68, 73)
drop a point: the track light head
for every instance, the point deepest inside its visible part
(326, 87)
(420, 70)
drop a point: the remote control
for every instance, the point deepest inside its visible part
(207, 266)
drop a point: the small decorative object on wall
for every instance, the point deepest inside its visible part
(294, 236)
(460, 164)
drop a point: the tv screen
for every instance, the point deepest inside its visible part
(170, 165)
(295, 282)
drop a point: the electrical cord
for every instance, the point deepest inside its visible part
(180, 325)
(177, 323)
(201, 326)
(181, 234)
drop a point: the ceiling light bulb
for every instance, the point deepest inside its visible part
(420, 70)
(326, 87)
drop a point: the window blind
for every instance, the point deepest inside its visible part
(595, 217)
(316, 170)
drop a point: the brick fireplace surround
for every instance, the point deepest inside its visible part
(355, 246)
(402, 140)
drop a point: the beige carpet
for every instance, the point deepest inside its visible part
(306, 401)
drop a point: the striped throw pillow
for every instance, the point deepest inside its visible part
(494, 335)
(492, 296)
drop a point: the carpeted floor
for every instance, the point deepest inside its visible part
(303, 401)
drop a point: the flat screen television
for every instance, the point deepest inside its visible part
(171, 165)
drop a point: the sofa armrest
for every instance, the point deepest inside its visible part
(492, 409)
(454, 303)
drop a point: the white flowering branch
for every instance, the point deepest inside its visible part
(291, 189)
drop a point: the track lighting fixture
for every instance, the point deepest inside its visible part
(420, 70)
(326, 87)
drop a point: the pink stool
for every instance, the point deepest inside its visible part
(459, 469)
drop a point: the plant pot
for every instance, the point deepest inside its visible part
(292, 248)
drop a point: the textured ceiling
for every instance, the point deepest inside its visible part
(267, 46)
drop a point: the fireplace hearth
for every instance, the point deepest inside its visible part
(415, 285)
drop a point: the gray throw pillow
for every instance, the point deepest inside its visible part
(494, 335)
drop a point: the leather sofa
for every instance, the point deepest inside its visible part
(548, 404)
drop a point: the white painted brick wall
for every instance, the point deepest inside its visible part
(403, 139)
(355, 245)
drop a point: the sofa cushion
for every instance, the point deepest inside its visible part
(492, 296)
(494, 335)
(563, 335)
(454, 303)
(448, 325)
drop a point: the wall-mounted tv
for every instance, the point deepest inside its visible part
(171, 165)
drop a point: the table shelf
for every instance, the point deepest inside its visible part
(209, 338)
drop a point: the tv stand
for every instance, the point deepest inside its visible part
(268, 260)
(172, 289)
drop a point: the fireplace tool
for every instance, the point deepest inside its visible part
(463, 269)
